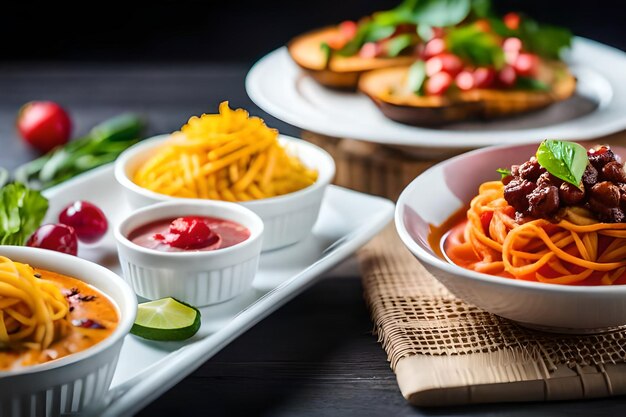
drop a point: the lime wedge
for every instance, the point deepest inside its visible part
(166, 319)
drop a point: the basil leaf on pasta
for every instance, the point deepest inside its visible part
(564, 160)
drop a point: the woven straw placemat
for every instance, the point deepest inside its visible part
(444, 351)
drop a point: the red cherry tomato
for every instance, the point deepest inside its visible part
(465, 80)
(507, 76)
(86, 219)
(348, 29)
(483, 25)
(512, 44)
(434, 47)
(526, 64)
(189, 233)
(57, 237)
(512, 20)
(484, 77)
(44, 125)
(370, 50)
(438, 84)
(445, 62)
(438, 32)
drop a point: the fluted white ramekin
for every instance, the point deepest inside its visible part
(288, 218)
(80, 380)
(199, 278)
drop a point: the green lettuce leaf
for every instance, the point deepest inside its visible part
(21, 213)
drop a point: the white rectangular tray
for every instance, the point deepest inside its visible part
(145, 370)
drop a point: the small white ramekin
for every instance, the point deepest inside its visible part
(80, 380)
(199, 278)
(288, 218)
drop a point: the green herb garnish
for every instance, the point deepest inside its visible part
(480, 48)
(547, 41)
(100, 146)
(398, 44)
(416, 77)
(503, 172)
(326, 51)
(532, 84)
(564, 160)
(21, 213)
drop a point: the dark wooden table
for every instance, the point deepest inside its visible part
(314, 357)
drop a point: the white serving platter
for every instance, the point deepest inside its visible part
(145, 370)
(277, 85)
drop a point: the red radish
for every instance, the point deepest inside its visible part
(348, 29)
(370, 50)
(44, 125)
(465, 80)
(507, 76)
(445, 62)
(484, 77)
(526, 64)
(434, 47)
(56, 237)
(512, 20)
(438, 84)
(86, 219)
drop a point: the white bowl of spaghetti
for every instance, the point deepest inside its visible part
(562, 269)
(281, 179)
(60, 356)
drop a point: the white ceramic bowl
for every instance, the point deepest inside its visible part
(442, 190)
(199, 278)
(70, 384)
(288, 218)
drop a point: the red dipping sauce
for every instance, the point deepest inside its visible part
(189, 234)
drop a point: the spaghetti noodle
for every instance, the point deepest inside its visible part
(575, 250)
(33, 311)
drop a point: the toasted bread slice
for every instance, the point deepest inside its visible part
(387, 88)
(339, 72)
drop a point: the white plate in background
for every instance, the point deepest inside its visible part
(278, 86)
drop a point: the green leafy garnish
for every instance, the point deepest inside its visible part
(353, 46)
(532, 84)
(21, 213)
(440, 13)
(547, 41)
(476, 46)
(564, 160)
(503, 172)
(398, 44)
(433, 13)
(326, 51)
(377, 32)
(403, 13)
(416, 77)
(100, 146)
(482, 8)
